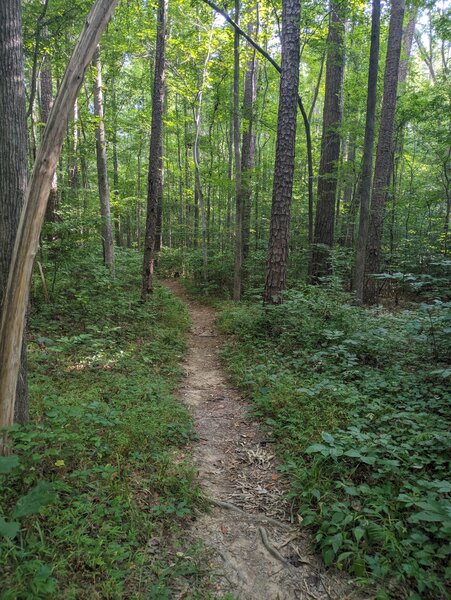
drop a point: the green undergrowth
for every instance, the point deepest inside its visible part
(96, 497)
(356, 401)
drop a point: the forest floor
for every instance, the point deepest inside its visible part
(258, 552)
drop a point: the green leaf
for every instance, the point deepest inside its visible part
(316, 448)
(8, 463)
(358, 532)
(344, 556)
(352, 453)
(328, 556)
(38, 497)
(337, 541)
(328, 438)
(8, 529)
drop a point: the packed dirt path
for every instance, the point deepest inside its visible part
(258, 553)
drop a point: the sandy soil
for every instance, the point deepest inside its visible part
(258, 552)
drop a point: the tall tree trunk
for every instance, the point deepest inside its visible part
(330, 145)
(276, 272)
(364, 193)
(102, 168)
(244, 191)
(237, 155)
(15, 297)
(199, 194)
(155, 178)
(249, 141)
(117, 217)
(382, 168)
(13, 160)
(46, 82)
(73, 172)
(407, 40)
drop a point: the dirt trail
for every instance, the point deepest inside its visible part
(257, 553)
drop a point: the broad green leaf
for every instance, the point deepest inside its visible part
(358, 532)
(337, 541)
(39, 496)
(8, 463)
(328, 556)
(9, 529)
(316, 448)
(327, 437)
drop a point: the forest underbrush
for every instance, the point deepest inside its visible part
(100, 487)
(356, 402)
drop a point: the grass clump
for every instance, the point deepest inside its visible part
(357, 403)
(100, 486)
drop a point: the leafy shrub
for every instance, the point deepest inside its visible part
(357, 401)
(102, 471)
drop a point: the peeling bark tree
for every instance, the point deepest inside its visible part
(276, 272)
(384, 153)
(155, 177)
(330, 145)
(102, 168)
(13, 159)
(27, 239)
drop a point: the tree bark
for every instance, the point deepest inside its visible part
(15, 297)
(46, 82)
(249, 140)
(244, 191)
(407, 40)
(383, 155)
(323, 237)
(13, 161)
(277, 263)
(364, 193)
(237, 155)
(102, 168)
(117, 217)
(155, 177)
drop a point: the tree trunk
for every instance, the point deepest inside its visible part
(155, 178)
(46, 81)
(237, 154)
(244, 190)
(13, 160)
(117, 217)
(73, 162)
(249, 141)
(364, 193)
(199, 194)
(15, 298)
(330, 146)
(407, 40)
(102, 168)
(277, 262)
(384, 154)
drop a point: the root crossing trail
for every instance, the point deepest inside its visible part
(257, 551)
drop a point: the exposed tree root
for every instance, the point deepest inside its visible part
(267, 544)
(259, 518)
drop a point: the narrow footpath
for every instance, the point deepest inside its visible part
(258, 552)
